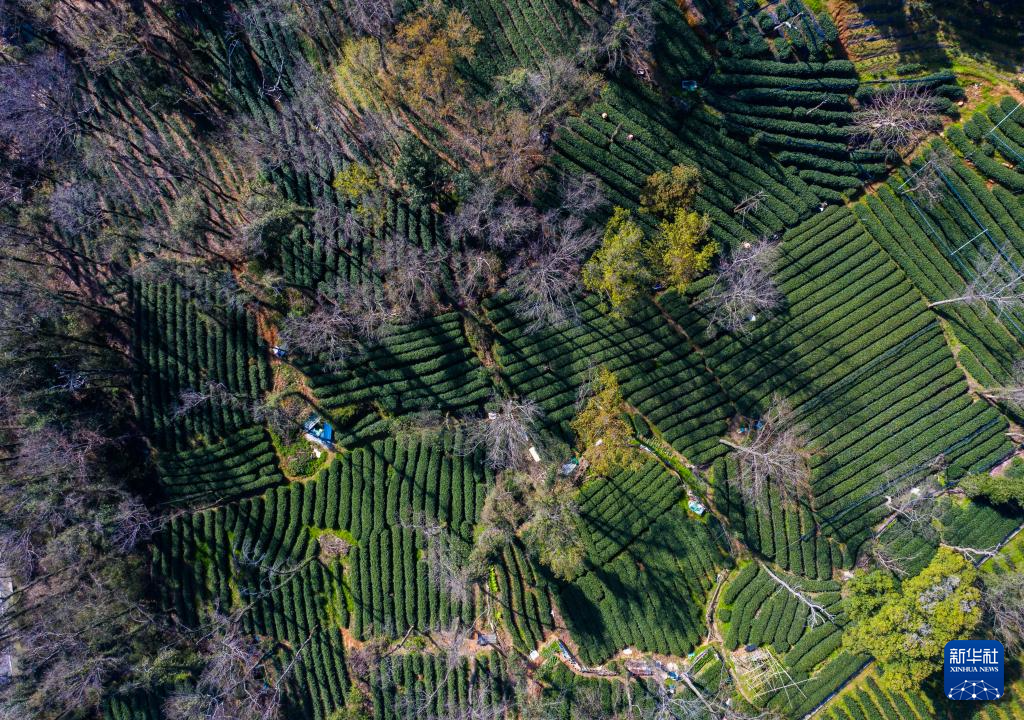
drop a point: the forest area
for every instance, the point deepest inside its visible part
(509, 359)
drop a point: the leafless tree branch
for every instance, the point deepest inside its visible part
(927, 184)
(774, 456)
(995, 282)
(744, 288)
(505, 434)
(1004, 601)
(629, 35)
(344, 319)
(818, 614)
(898, 117)
(546, 278)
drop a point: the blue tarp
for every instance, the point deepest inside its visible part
(319, 429)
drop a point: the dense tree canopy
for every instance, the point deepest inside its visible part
(907, 626)
(1007, 487)
(618, 269)
(604, 436)
(667, 192)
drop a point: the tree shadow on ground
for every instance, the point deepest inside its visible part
(876, 28)
(991, 31)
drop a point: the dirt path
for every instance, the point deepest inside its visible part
(713, 635)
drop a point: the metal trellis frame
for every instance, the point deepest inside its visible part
(913, 472)
(998, 139)
(956, 255)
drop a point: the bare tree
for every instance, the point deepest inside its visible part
(53, 451)
(897, 558)
(750, 204)
(108, 36)
(472, 215)
(191, 398)
(131, 524)
(11, 193)
(344, 319)
(817, 614)
(928, 183)
(920, 510)
(450, 568)
(210, 284)
(975, 555)
(478, 709)
(39, 112)
(581, 194)
(898, 117)
(427, 424)
(412, 277)
(774, 455)
(258, 21)
(249, 137)
(700, 703)
(75, 208)
(505, 434)
(479, 703)
(744, 287)
(237, 681)
(996, 282)
(322, 124)
(371, 17)
(70, 612)
(60, 633)
(371, 319)
(629, 36)
(587, 704)
(916, 507)
(499, 223)
(1013, 391)
(1003, 597)
(361, 660)
(512, 148)
(326, 332)
(448, 558)
(475, 274)
(284, 416)
(553, 90)
(376, 132)
(450, 640)
(263, 574)
(332, 225)
(546, 277)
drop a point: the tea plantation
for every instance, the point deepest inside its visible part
(882, 384)
(509, 359)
